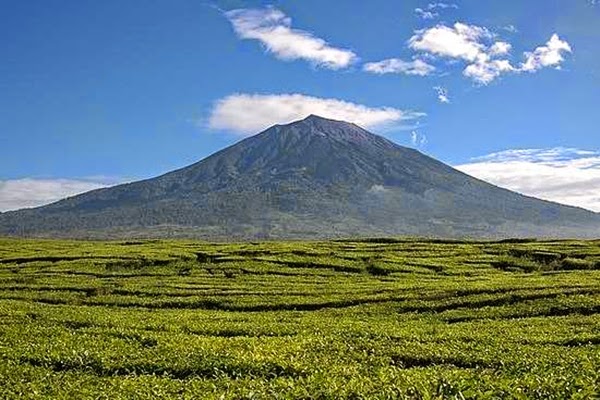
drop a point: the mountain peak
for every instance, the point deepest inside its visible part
(316, 177)
(314, 119)
(330, 128)
(318, 118)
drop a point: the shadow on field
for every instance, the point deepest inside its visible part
(212, 367)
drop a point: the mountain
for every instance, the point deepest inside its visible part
(308, 179)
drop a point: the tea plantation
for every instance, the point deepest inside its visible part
(370, 319)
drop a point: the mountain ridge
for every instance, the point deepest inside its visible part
(311, 178)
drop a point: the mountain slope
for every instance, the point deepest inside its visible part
(311, 178)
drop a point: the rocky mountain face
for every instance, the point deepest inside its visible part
(309, 179)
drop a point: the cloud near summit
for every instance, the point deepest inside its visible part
(247, 114)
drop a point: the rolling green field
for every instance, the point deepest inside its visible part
(377, 318)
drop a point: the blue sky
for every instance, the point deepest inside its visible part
(94, 93)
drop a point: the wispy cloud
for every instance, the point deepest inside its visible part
(431, 11)
(440, 5)
(250, 113)
(28, 192)
(425, 14)
(565, 175)
(398, 66)
(442, 94)
(273, 29)
(417, 139)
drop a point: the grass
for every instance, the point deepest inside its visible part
(379, 318)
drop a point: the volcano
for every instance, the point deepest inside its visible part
(314, 178)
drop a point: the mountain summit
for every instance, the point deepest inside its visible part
(311, 178)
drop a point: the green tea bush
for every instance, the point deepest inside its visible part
(369, 319)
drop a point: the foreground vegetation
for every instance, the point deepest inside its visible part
(345, 319)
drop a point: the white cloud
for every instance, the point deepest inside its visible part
(433, 6)
(500, 48)
(555, 154)
(458, 41)
(27, 192)
(425, 14)
(430, 11)
(251, 113)
(467, 42)
(273, 29)
(397, 66)
(442, 94)
(484, 70)
(486, 59)
(378, 189)
(568, 176)
(418, 139)
(550, 55)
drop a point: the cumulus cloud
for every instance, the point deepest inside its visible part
(564, 175)
(500, 48)
(457, 41)
(273, 29)
(397, 66)
(550, 55)
(486, 58)
(27, 192)
(442, 94)
(251, 113)
(469, 43)
(485, 70)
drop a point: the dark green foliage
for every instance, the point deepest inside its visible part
(374, 269)
(576, 263)
(530, 260)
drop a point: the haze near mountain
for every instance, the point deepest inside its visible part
(309, 179)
